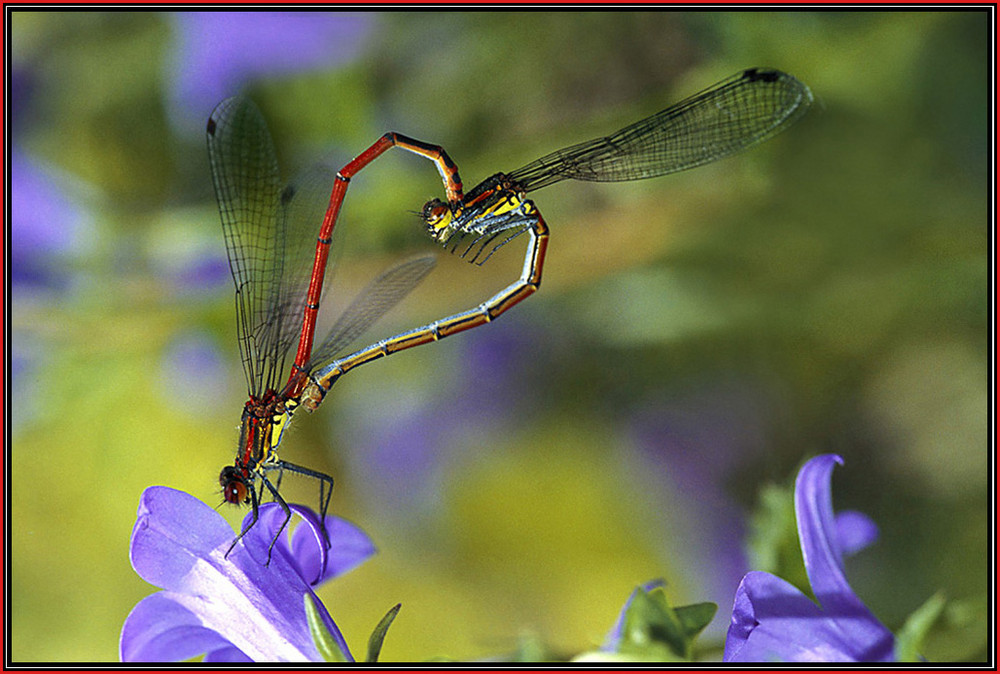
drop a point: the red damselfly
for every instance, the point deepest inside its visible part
(279, 272)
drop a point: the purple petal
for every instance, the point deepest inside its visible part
(349, 547)
(180, 543)
(158, 629)
(257, 541)
(824, 562)
(774, 622)
(855, 531)
(308, 546)
(228, 653)
(818, 535)
(163, 550)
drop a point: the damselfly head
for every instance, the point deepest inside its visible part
(234, 486)
(437, 215)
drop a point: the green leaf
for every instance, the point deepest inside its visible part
(378, 636)
(328, 648)
(696, 617)
(910, 638)
(773, 540)
(652, 629)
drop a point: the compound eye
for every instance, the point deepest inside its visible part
(434, 210)
(234, 490)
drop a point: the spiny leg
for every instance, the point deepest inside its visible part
(325, 490)
(284, 506)
(254, 501)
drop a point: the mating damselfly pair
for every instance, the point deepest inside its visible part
(278, 262)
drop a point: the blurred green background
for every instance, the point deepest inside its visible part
(695, 338)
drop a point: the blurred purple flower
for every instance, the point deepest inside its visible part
(216, 53)
(192, 273)
(23, 85)
(231, 609)
(773, 621)
(855, 531)
(47, 228)
(204, 272)
(403, 456)
(499, 371)
(193, 373)
(45, 224)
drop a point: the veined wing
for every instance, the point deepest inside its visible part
(730, 116)
(381, 295)
(266, 229)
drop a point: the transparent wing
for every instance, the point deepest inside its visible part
(372, 303)
(730, 116)
(303, 205)
(266, 229)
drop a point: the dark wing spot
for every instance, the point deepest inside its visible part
(756, 75)
(211, 127)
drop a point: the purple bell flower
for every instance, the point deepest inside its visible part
(773, 621)
(231, 609)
